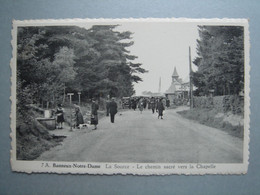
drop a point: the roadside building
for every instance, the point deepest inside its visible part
(178, 92)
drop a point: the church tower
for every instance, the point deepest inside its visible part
(176, 83)
(175, 75)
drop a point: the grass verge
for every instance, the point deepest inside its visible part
(232, 124)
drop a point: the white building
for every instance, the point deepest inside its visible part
(178, 90)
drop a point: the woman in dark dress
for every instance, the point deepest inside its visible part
(78, 117)
(94, 114)
(60, 116)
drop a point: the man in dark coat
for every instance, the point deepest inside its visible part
(160, 108)
(112, 110)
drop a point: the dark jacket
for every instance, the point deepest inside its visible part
(79, 118)
(112, 107)
(160, 106)
(152, 104)
(94, 108)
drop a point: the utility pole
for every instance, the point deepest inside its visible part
(70, 94)
(191, 86)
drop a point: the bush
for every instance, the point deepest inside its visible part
(222, 104)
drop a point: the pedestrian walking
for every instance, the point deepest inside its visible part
(78, 117)
(152, 104)
(60, 116)
(141, 105)
(144, 103)
(94, 114)
(112, 110)
(156, 104)
(160, 108)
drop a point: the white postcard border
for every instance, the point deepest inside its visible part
(130, 168)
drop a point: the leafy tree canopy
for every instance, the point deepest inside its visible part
(220, 60)
(59, 59)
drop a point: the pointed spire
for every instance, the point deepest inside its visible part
(175, 74)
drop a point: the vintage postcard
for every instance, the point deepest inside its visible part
(130, 96)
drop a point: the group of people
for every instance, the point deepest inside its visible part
(153, 104)
(111, 107)
(60, 117)
(157, 104)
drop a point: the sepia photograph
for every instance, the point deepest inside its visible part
(130, 96)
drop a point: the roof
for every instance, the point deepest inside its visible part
(171, 89)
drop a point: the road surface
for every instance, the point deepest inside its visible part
(143, 138)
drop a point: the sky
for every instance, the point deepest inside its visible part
(160, 46)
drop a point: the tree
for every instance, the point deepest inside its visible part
(220, 60)
(94, 61)
(42, 63)
(64, 65)
(107, 69)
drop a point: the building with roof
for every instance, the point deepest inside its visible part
(178, 92)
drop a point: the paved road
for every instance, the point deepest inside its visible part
(144, 138)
